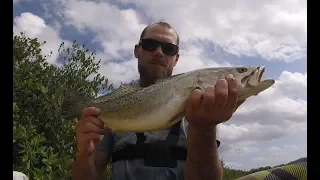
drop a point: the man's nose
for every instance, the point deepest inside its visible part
(158, 52)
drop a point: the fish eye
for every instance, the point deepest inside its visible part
(242, 70)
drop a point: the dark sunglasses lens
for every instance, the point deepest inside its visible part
(169, 49)
(149, 44)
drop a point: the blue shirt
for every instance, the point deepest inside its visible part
(135, 169)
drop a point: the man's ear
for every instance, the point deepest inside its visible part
(176, 60)
(136, 50)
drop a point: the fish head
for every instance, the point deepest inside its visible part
(250, 81)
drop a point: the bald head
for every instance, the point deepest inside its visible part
(163, 25)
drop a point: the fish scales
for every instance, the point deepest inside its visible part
(162, 100)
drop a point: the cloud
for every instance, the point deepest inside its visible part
(237, 149)
(270, 29)
(119, 34)
(278, 112)
(293, 84)
(118, 73)
(233, 164)
(250, 156)
(194, 56)
(273, 29)
(279, 153)
(117, 30)
(272, 114)
(35, 27)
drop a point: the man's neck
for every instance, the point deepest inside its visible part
(144, 82)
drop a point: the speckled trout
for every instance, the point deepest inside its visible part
(160, 105)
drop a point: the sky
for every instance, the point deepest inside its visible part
(268, 129)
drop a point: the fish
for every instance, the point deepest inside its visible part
(132, 108)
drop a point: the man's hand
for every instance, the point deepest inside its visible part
(90, 164)
(203, 112)
(88, 130)
(216, 105)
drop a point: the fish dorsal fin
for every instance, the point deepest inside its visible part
(127, 89)
(168, 78)
(121, 91)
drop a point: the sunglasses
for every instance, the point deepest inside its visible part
(151, 45)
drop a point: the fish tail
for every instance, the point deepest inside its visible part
(74, 102)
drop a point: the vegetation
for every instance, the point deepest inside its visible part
(43, 141)
(231, 174)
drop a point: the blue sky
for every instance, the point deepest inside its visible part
(268, 129)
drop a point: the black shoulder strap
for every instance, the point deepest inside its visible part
(174, 134)
(164, 153)
(141, 138)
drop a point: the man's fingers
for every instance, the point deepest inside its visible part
(195, 99)
(90, 111)
(232, 94)
(90, 127)
(91, 136)
(93, 120)
(221, 95)
(208, 98)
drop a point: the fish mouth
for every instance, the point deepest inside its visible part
(262, 70)
(256, 77)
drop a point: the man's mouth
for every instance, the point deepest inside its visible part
(159, 64)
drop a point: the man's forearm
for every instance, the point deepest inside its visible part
(202, 160)
(84, 168)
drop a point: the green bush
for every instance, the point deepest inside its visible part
(44, 142)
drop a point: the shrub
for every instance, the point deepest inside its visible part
(43, 141)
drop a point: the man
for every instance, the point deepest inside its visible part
(204, 111)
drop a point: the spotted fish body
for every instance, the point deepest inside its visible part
(295, 171)
(160, 105)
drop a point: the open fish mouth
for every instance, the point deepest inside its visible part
(262, 70)
(256, 77)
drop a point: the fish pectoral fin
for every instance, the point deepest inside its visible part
(201, 85)
(176, 118)
(73, 103)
